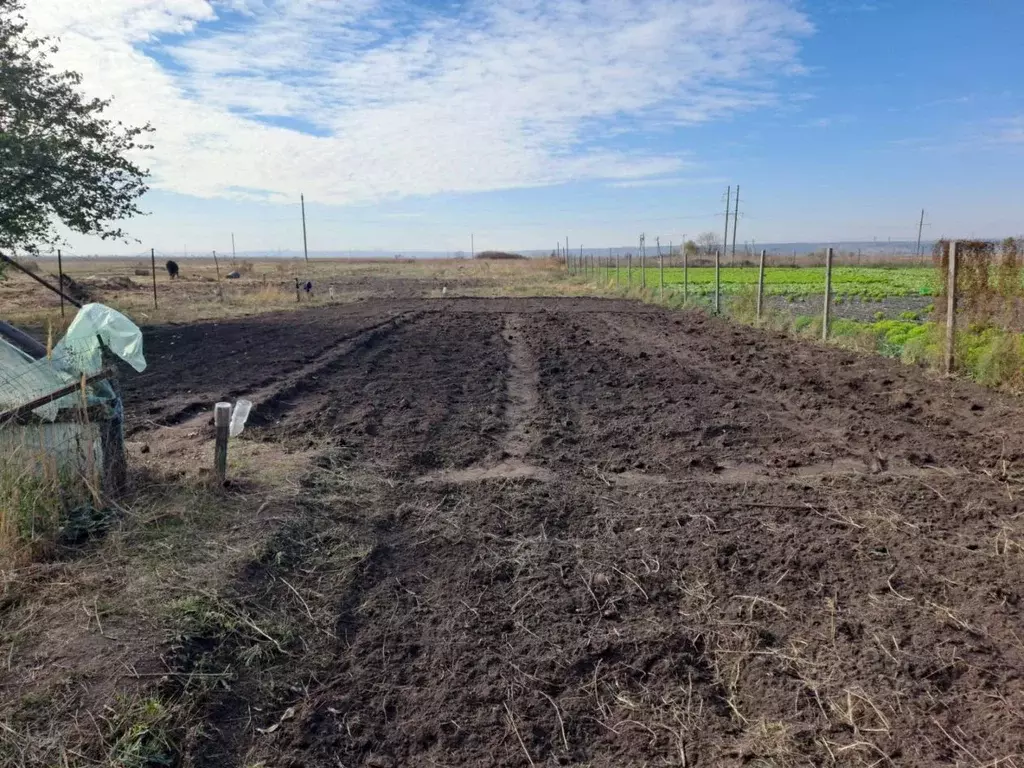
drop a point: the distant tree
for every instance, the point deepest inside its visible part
(61, 161)
(691, 248)
(707, 242)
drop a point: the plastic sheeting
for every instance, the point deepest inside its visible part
(23, 379)
(80, 350)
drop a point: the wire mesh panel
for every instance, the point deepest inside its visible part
(53, 419)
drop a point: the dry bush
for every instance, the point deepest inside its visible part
(989, 288)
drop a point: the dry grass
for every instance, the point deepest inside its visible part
(269, 285)
(83, 640)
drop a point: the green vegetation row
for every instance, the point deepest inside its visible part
(989, 355)
(863, 282)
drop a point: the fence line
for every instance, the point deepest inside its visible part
(980, 284)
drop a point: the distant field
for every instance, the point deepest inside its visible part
(203, 291)
(859, 282)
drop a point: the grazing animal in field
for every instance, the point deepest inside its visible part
(172, 269)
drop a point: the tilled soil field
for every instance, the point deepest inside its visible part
(594, 533)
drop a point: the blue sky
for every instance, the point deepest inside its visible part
(410, 124)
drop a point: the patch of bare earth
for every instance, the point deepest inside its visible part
(574, 532)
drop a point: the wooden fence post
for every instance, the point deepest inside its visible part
(629, 271)
(827, 311)
(222, 423)
(216, 264)
(661, 270)
(643, 263)
(686, 273)
(760, 286)
(60, 278)
(951, 310)
(152, 270)
(718, 281)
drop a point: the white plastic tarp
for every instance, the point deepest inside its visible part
(80, 352)
(23, 379)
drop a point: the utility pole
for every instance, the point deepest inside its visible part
(735, 221)
(920, 227)
(728, 203)
(234, 258)
(472, 245)
(305, 246)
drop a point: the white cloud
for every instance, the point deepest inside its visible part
(673, 181)
(501, 94)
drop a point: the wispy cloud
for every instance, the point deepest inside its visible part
(364, 100)
(674, 181)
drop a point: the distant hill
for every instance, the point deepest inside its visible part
(498, 255)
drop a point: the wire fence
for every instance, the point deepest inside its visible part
(61, 440)
(972, 288)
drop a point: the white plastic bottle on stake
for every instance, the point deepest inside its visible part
(239, 416)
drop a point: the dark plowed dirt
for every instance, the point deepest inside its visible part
(192, 366)
(560, 532)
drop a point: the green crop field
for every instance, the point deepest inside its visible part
(863, 282)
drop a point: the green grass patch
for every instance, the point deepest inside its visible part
(990, 356)
(852, 282)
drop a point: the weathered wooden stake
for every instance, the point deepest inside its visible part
(222, 423)
(686, 273)
(60, 277)
(152, 271)
(951, 310)
(661, 268)
(216, 264)
(643, 263)
(629, 271)
(827, 312)
(718, 281)
(617, 270)
(760, 286)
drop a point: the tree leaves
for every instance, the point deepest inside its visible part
(61, 160)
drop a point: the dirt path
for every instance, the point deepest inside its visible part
(555, 532)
